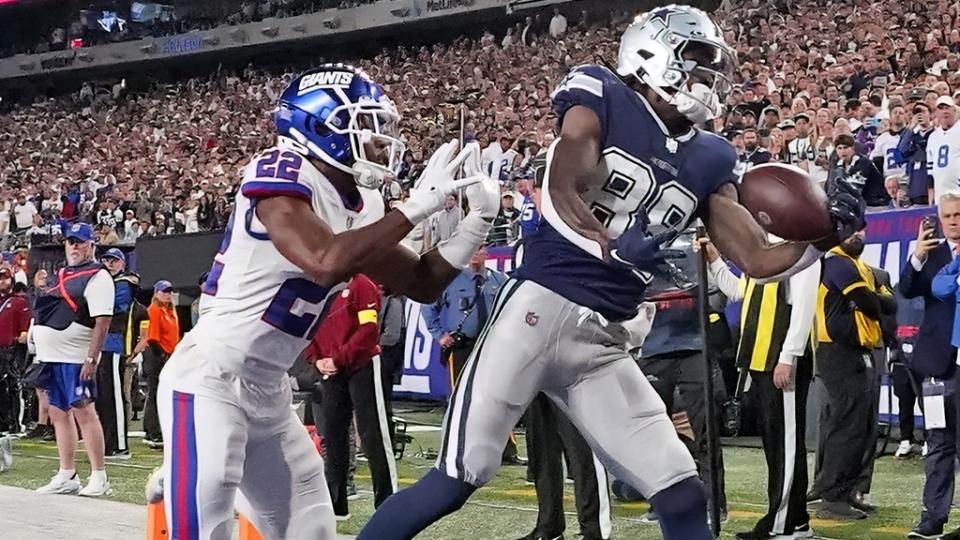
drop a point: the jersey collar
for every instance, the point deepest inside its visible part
(656, 118)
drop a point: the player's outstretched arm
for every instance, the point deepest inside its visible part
(306, 241)
(739, 237)
(571, 170)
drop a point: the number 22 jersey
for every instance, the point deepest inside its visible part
(255, 300)
(645, 170)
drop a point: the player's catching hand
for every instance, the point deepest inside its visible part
(437, 181)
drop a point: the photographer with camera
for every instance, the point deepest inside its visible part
(935, 359)
(457, 317)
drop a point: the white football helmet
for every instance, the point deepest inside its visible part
(680, 53)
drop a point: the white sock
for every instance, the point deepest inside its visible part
(98, 475)
(67, 474)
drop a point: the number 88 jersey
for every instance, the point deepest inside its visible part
(255, 300)
(643, 170)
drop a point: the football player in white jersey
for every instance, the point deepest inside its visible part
(308, 217)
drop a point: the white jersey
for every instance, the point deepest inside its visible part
(943, 160)
(257, 301)
(884, 147)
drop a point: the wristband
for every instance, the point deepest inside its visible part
(468, 236)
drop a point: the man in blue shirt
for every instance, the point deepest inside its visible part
(455, 320)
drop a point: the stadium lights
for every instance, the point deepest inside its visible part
(239, 35)
(332, 23)
(270, 31)
(28, 66)
(212, 41)
(299, 28)
(148, 49)
(85, 57)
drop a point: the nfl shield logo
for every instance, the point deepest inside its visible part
(532, 318)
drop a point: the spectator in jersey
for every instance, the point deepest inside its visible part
(943, 148)
(71, 321)
(859, 171)
(346, 351)
(912, 148)
(163, 334)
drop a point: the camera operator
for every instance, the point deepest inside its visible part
(934, 357)
(457, 317)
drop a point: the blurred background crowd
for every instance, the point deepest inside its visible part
(167, 159)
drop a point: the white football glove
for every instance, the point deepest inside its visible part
(484, 195)
(484, 199)
(639, 326)
(436, 182)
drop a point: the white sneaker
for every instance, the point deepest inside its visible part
(6, 453)
(61, 485)
(904, 450)
(154, 489)
(96, 487)
(923, 453)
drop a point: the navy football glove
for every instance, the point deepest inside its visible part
(641, 250)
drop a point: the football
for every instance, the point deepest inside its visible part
(785, 201)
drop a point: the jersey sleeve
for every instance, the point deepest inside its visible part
(99, 294)
(583, 86)
(277, 173)
(841, 275)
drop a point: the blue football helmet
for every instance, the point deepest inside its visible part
(337, 114)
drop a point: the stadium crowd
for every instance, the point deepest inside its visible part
(166, 160)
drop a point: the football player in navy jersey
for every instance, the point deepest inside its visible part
(628, 171)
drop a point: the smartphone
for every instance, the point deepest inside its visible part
(931, 224)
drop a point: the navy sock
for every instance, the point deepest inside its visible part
(682, 511)
(405, 513)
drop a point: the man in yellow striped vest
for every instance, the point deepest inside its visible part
(776, 350)
(848, 319)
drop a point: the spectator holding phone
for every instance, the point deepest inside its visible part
(935, 357)
(913, 151)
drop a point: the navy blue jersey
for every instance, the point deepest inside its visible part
(645, 169)
(529, 217)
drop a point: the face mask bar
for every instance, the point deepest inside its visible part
(371, 122)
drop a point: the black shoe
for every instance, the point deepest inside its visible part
(35, 432)
(118, 455)
(840, 511)
(153, 443)
(536, 536)
(814, 496)
(856, 501)
(929, 530)
(752, 535)
(49, 434)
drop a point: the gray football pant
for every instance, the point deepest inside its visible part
(536, 340)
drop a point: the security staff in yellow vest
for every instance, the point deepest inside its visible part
(776, 349)
(848, 314)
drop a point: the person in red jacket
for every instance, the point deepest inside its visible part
(346, 351)
(14, 322)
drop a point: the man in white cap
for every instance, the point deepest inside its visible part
(943, 149)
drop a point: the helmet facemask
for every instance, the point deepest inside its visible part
(373, 130)
(681, 56)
